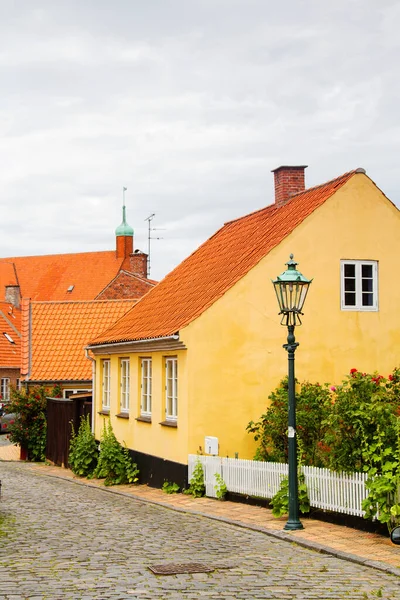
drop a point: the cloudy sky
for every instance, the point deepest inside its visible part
(189, 104)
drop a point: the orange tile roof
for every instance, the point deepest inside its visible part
(49, 277)
(61, 330)
(215, 267)
(10, 338)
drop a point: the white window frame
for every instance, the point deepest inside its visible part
(171, 388)
(18, 384)
(124, 384)
(106, 371)
(5, 389)
(145, 386)
(358, 264)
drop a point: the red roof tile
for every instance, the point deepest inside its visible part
(215, 267)
(49, 277)
(10, 338)
(59, 333)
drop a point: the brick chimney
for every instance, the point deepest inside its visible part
(138, 263)
(13, 295)
(288, 181)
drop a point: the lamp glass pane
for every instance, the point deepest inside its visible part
(279, 295)
(304, 290)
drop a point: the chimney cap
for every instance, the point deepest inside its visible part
(289, 167)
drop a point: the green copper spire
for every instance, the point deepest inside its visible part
(124, 229)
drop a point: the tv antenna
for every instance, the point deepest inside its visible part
(150, 237)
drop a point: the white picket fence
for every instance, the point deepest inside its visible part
(339, 492)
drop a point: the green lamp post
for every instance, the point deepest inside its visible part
(291, 289)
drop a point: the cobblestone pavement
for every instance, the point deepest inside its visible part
(62, 540)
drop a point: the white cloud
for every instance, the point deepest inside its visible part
(188, 104)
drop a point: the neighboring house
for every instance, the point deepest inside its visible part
(114, 274)
(54, 336)
(199, 355)
(10, 349)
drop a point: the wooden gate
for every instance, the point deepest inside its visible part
(61, 414)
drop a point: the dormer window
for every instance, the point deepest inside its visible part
(9, 338)
(71, 287)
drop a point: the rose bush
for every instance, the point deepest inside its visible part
(30, 426)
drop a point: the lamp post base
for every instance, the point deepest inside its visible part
(293, 525)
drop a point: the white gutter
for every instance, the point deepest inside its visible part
(93, 384)
(174, 337)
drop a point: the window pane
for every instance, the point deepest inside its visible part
(170, 366)
(106, 384)
(350, 285)
(367, 299)
(350, 299)
(171, 400)
(349, 270)
(366, 271)
(125, 385)
(367, 285)
(146, 387)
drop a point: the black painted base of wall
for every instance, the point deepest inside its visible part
(320, 515)
(154, 470)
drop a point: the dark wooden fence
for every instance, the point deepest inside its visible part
(61, 413)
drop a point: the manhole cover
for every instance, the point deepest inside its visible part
(177, 568)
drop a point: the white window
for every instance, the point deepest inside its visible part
(124, 385)
(145, 399)
(106, 385)
(171, 389)
(359, 285)
(18, 384)
(5, 389)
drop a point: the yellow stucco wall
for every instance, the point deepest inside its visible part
(150, 438)
(234, 355)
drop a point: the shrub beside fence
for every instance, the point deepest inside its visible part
(338, 492)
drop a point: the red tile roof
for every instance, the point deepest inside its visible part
(10, 338)
(59, 333)
(215, 267)
(49, 277)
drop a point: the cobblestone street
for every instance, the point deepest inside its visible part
(63, 540)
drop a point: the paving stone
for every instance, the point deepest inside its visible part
(62, 541)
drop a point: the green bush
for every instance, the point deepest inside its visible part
(170, 488)
(349, 427)
(280, 502)
(383, 483)
(30, 426)
(312, 408)
(115, 465)
(83, 452)
(220, 487)
(196, 484)
(362, 405)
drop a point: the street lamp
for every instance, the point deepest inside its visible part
(291, 289)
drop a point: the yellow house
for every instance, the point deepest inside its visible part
(198, 356)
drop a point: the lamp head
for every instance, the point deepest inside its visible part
(291, 289)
